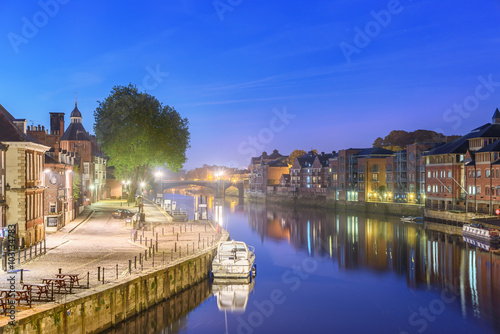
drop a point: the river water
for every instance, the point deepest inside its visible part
(336, 272)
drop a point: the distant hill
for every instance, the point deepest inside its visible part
(399, 139)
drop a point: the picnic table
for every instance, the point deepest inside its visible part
(59, 283)
(40, 289)
(73, 278)
(19, 295)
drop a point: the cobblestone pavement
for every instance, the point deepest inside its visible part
(102, 241)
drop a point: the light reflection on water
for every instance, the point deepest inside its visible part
(371, 274)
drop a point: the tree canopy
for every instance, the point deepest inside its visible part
(295, 154)
(137, 132)
(400, 138)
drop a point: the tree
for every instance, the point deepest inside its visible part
(137, 133)
(295, 154)
(77, 181)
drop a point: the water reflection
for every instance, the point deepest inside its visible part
(232, 294)
(427, 258)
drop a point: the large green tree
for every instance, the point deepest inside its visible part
(138, 133)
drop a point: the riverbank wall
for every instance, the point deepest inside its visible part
(326, 201)
(100, 308)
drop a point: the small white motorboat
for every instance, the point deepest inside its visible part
(234, 259)
(477, 231)
(411, 219)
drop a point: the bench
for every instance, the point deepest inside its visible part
(73, 278)
(40, 289)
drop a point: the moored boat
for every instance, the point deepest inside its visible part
(234, 259)
(477, 231)
(411, 219)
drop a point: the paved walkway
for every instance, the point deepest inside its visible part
(95, 239)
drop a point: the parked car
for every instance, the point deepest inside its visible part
(122, 213)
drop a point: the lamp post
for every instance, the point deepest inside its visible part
(159, 177)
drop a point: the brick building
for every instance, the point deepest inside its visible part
(266, 170)
(458, 173)
(24, 179)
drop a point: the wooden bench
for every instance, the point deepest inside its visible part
(59, 283)
(40, 289)
(17, 295)
(73, 278)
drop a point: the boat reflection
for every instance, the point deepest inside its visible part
(487, 246)
(232, 294)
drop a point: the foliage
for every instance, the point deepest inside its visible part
(399, 139)
(295, 154)
(77, 181)
(138, 133)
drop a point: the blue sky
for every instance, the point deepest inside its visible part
(232, 70)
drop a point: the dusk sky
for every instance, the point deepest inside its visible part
(254, 75)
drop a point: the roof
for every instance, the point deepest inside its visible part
(374, 151)
(286, 177)
(10, 132)
(75, 131)
(493, 147)
(76, 112)
(274, 155)
(280, 162)
(496, 114)
(306, 161)
(460, 145)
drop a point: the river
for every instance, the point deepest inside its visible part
(335, 272)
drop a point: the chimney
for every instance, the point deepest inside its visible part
(20, 124)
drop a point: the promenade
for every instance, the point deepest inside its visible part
(95, 239)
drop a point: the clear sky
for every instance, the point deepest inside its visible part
(255, 75)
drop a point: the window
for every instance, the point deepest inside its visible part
(478, 190)
(487, 190)
(478, 173)
(428, 174)
(487, 174)
(375, 177)
(375, 168)
(449, 174)
(428, 189)
(52, 207)
(334, 177)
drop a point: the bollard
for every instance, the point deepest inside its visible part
(140, 240)
(41, 248)
(140, 258)
(176, 247)
(19, 256)
(149, 251)
(156, 236)
(145, 255)
(153, 260)
(98, 274)
(24, 254)
(199, 236)
(130, 266)
(187, 249)
(180, 251)
(102, 275)
(135, 262)
(177, 236)
(171, 255)
(60, 270)
(22, 276)
(30, 252)
(163, 257)
(88, 279)
(193, 247)
(146, 241)
(117, 271)
(52, 293)
(156, 245)
(45, 245)
(142, 266)
(150, 242)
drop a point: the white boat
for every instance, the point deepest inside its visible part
(234, 259)
(411, 219)
(476, 231)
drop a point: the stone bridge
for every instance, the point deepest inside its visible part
(219, 187)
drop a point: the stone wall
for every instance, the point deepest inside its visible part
(99, 309)
(327, 201)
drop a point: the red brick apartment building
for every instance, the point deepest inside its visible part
(462, 175)
(266, 170)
